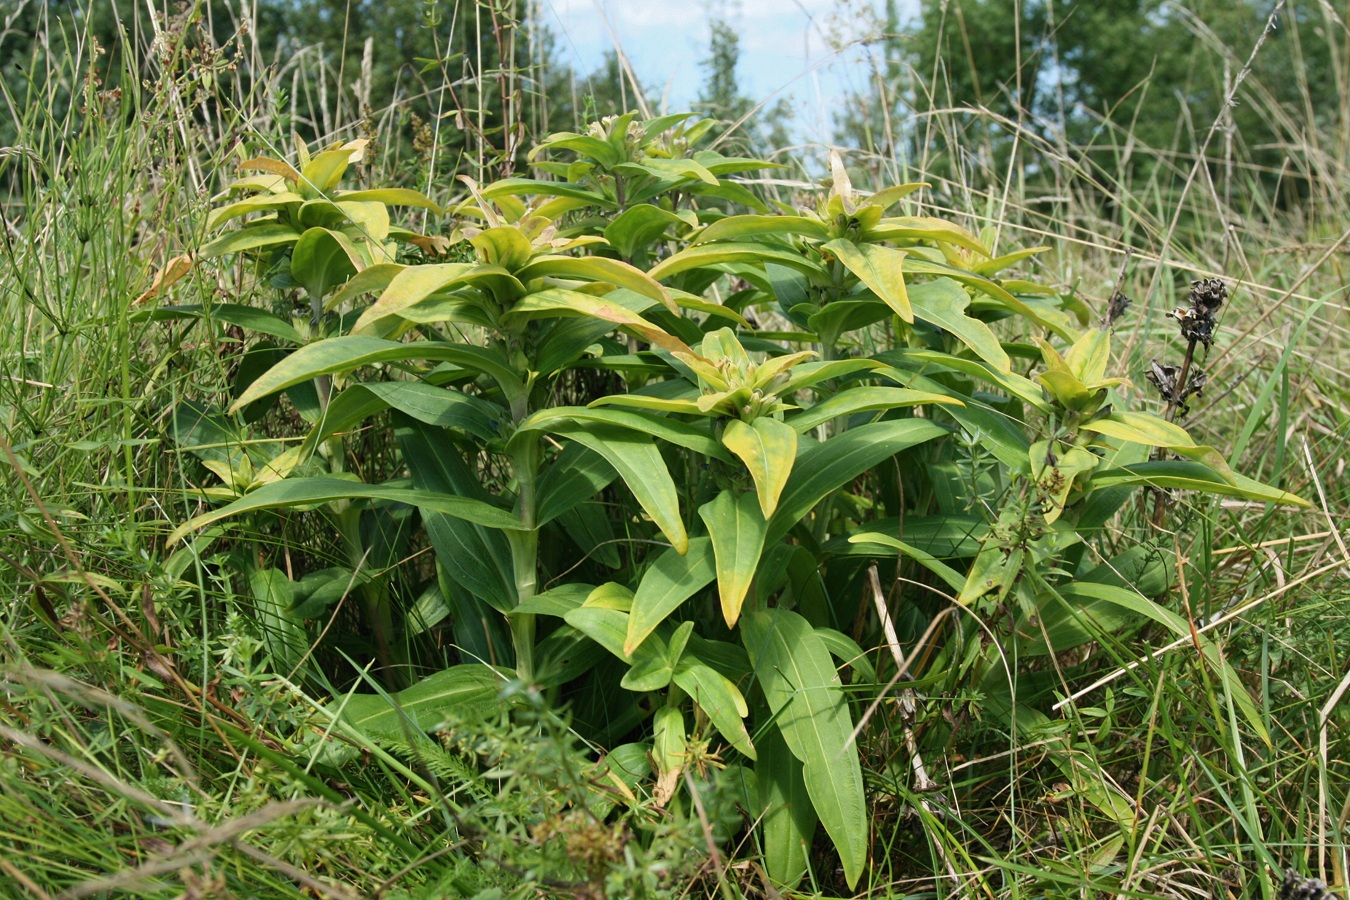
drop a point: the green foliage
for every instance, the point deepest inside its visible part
(708, 463)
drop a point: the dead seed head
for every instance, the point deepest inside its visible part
(1197, 321)
(1164, 377)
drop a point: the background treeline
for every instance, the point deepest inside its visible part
(1076, 78)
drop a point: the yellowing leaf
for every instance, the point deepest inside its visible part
(769, 449)
(879, 268)
(737, 528)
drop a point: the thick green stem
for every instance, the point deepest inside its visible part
(525, 551)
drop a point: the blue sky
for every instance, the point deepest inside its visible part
(809, 51)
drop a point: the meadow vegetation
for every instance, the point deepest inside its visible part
(431, 473)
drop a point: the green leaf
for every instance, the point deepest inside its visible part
(283, 631)
(443, 407)
(558, 602)
(924, 228)
(525, 186)
(323, 259)
(436, 699)
(575, 476)
(565, 420)
(554, 302)
(836, 462)
(598, 269)
(636, 227)
(736, 228)
(719, 699)
(954, 579)
(864, 398)
(846, 650)
(1089, 356)
(1140, 428)
(917, 265)
(1192, 476)
(354, 219)
(667, 583)
(391, 196)
(736, 527)
(641, 467)
(732, 252)
(476, 558)
(254, 237)
(323, 172)
(807, 374)
(257, 203)
(414, 284)
(880, 269)
(348, 352)
(669, 750)
(769, 450)
(787, 821)
(943, 302)
(247, 317)
(603, 624)
(371, 278)
(296, 492)
(804, 692)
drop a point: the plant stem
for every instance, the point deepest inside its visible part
(525, 552)
(1170, 414)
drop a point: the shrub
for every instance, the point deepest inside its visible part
(665, 438)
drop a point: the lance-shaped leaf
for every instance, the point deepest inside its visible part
(390, 196)
(256, 203)
(794, 668)
(923, 228)
(768, 448)
(719, 699)
(297, 492)
(834, 463)
(669, 751)
(735, 228)
(917, 265)
(255, 237)
(561, 302)
(670, 581)
(520, 187)
(567, 419)
(1140, 428)
(440, 697)
(737, 528)
(879, 268)
(598, 269)
(732, 252)
(322, 259)
(416, 283)
(640, 225)
(575, 476)
(943, 302)
(787, 821)
(371, 278)
(641, 467)
(1193, 476)
(247, 317)
(322, 173)
(864, 398)
(370, 220)
(349, 352)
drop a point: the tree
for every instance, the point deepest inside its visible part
(757, 131)
(1083, 75)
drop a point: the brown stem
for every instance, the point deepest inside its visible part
(1173, 405)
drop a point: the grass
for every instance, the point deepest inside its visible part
(145, 749)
